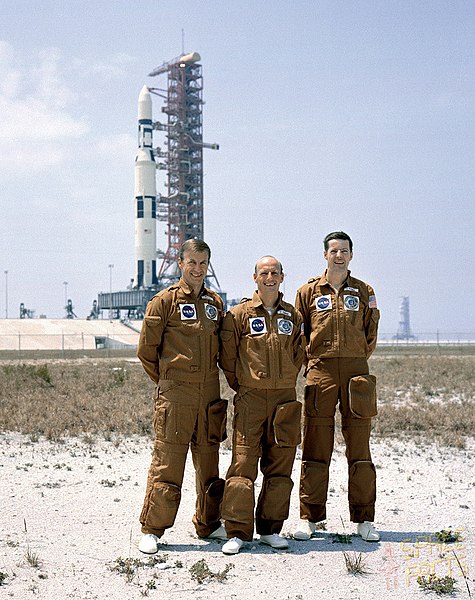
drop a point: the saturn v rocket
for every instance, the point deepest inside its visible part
(145, 198)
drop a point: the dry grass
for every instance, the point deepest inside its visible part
(81, 397)
(428, 397)
(355, 563)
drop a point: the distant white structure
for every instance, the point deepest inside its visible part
(404, 328)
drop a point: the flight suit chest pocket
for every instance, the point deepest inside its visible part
(353, 310)
(287, 431)
(255, 352)
(321, 326)
(152, 329)
(362, 396)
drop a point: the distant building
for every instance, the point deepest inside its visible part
(404, 329)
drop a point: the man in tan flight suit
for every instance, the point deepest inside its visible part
(340, 322)
(178, 348)
(261, 355)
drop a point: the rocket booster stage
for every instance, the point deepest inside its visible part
(145, 197)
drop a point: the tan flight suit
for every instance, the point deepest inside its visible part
(261, 357)
(178, 348)
(341, 330)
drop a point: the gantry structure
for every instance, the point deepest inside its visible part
(182, 159)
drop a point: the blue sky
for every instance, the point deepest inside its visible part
(329, 115)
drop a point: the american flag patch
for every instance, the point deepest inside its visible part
(372, 302)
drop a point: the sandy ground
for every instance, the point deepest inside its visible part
(80, 501)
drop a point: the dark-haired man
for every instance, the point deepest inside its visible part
(340, 322)
(261, 355)
(178, 348)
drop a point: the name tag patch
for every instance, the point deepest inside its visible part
(285, 326)
(257, 325)
(211, 311)
(283, 312)
(187, 312)
(350, 289)
(351, 302)
(323, 302)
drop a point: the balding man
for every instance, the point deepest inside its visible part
(261, 354)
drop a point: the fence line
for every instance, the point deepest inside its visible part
(428, 337)
(73, 345)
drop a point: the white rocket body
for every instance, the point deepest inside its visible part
(145, 197)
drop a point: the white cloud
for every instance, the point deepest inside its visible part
(33, 119)
(117, 148)
(49, 81)
(114, 68)
(9, 76)
(41, 94)
(37, 122)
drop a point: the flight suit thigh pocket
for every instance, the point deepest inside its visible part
(174, 423)
(217, 412)
(320, 400)
(362, 396)
(287, 432)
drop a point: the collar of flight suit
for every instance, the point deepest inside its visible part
(189, 290)
(324, 281)
(256, 300)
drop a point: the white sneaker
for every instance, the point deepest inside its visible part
(232, 546)
(367, 531)
(148, 544)
(305, 530)
(218, 534)
(275, 541)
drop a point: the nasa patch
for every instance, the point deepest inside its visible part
(323, 302)
(285, 326)
(187, 311)
(211, 311)
(257, 325)
(351, 302)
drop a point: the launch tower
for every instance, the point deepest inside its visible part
(182, 208)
